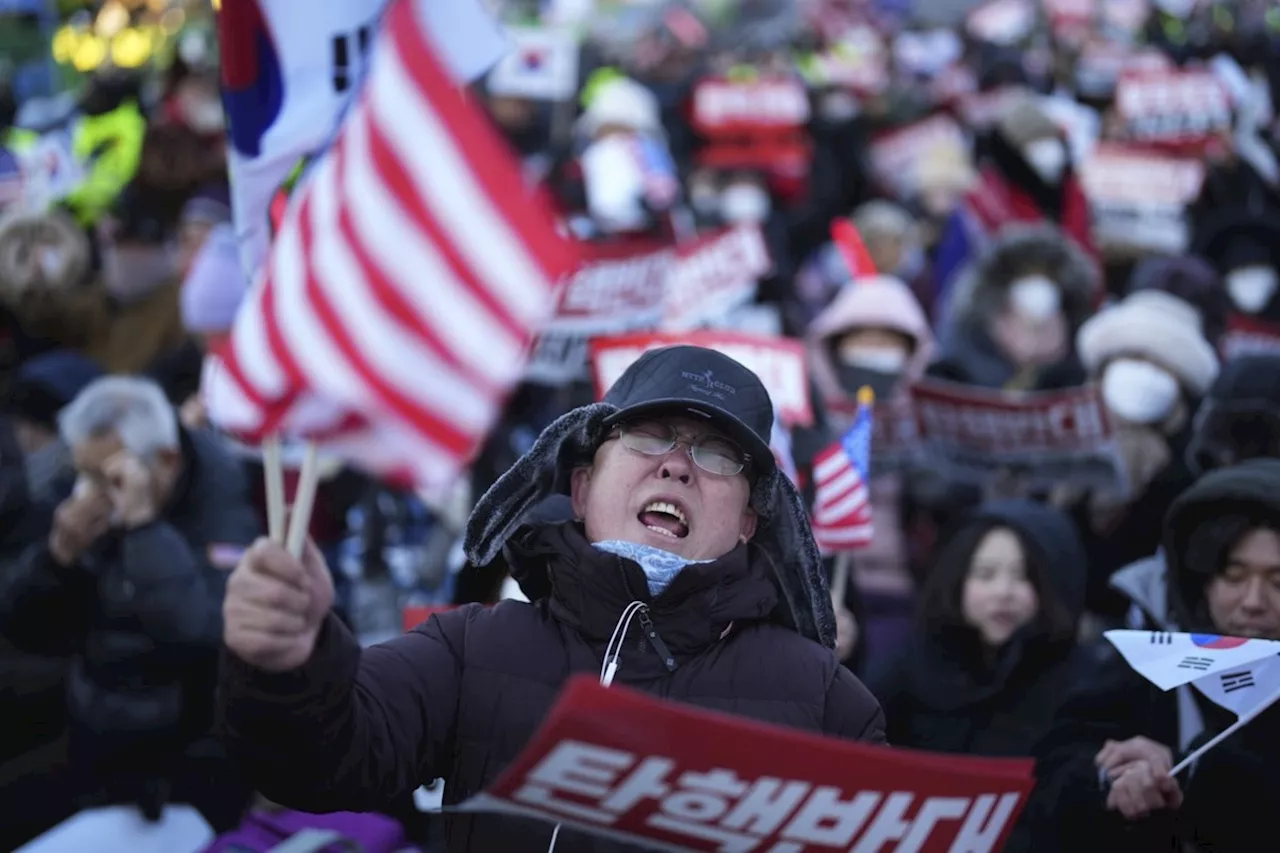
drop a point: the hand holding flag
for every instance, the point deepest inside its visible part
(1239, 674)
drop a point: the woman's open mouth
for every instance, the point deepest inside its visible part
(665, 519)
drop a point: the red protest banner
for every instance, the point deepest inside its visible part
(1249, 335)
(1139, 197)
(1180, 108)
(1048, 437)
(641, 286)
(618, 763)
(896, 154)
(722, 108)
(779, 362)
(714, 275)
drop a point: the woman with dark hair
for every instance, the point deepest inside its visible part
(996, 641)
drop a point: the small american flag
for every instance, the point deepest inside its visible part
(406, 283)
(842, 505)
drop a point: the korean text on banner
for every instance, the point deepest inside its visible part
(1046, 438)
(641, 286)
(1250, 335)
(1180, 108)
(1139, 197)
(779, 362)
(616, 763)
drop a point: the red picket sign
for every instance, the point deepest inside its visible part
(620, 764)
(780, 363)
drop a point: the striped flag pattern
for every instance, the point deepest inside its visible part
(405, 286)
(842, 504)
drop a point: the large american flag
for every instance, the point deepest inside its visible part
(406, 283)
(841, 473)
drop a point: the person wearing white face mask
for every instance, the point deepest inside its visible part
(1025, 178)
(745, 202)
(1153, 364)
(874, 333)
(1013, 315)
(1252, 287)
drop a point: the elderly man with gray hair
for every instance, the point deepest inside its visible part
(130, 582)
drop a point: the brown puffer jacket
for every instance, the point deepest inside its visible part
(460, 696)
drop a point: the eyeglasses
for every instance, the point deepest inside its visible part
(711, 453)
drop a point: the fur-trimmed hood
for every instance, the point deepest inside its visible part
(883, 302)
(981, 289)
(783, 532)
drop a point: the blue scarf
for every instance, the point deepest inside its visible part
(660, 567)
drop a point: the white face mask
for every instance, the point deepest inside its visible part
(839, 107)
(744, 203)
(884, 359)
(1252, 287)
(1138, 391)
(1048, 157)
(1035, 297)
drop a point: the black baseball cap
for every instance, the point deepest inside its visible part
(702, 382)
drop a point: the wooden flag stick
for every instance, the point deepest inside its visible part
(303, 500)
(840, 576)
(273, 473)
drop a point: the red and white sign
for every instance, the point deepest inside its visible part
(1249, 335)
(779, 362)
(635, 287)
(620, 764)
(731, 108)
(896, 155)
(1046, 437)
(1139, 197)
(713, 276)
(1175, 107)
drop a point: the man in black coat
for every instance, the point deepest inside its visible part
(130, 581)
(688, 546)
(1103, 770)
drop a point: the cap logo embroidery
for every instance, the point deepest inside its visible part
(706, 384)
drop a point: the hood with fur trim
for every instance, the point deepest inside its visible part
(783, 533)
(981, 289)
(881, 301)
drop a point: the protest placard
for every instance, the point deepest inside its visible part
(1139, 198)
(895, 155)
(1045, 438)
(714, 275)
(617, 763)
(779, 362)
(724, 108)
(1249, 335)
(632, 287)
(895, 438)
(1185, 108)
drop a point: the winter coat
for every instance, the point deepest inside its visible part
(1231, 792)
(945, 696)
(142, 610)
(460, 695)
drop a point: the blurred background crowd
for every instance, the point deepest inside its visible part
(1055, 194)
